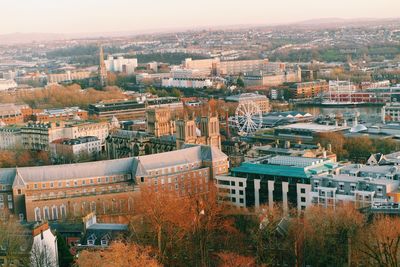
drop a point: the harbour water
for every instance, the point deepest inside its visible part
(369, 114)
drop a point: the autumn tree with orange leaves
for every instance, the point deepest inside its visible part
(118, 254)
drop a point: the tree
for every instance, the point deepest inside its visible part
(359, 148)
(336, 140)
(380, 242)
(65, 257)
(176, 93)
(41, 257)
(14, 239)
(229, 259)
(118, 254)
(240, 82)
(328, 235)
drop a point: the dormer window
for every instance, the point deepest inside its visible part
(104, 242)
(90, 242)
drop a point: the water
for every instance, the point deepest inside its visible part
(369, 114)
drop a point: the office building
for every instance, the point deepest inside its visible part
(68, 76)
(121, 64)
(333, 190)
(307, 90)
(273, 179)
(87, 146)
(261, 100)
(63, 114)
(131, 109)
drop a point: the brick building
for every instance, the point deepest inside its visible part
(60, 192)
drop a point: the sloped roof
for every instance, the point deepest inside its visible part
(167, 159)
(73, 171)
(7, 176)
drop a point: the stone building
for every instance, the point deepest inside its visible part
(63, 192)
(160, 122)
(208, 133)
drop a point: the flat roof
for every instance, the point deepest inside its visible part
(315, 127)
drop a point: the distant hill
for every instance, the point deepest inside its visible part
(19, 38)
(339, 22)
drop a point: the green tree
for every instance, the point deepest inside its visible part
(240, 82)
(65, 257)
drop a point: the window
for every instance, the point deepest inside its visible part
(84, 182)
(54, 213)
(142, 179)
(46, 213)
(233, 199)
(35, 186)
(1, 198)
(75, 183)
(91, 181)
(303, 199)
(59, 184)
(37, 214)
(107, 179)
(67, 184)
(233, 191)
(241, 192)
(99, 180)
(63, 211)
(241, 184)
(19, 192)
(51, 185)
(303, 190)
(233, 183)
(10, 205)
(104, 242)
(43, 185)
(90, 242)
(9, 197)
(352, 187)
(241, 200)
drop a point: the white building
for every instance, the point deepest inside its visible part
(10, 137)
(44, 248)
(7, 84)
(333, 190)
(186, 82)
(121, 64)
(82, 146)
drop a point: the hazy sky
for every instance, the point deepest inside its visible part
(79, 16)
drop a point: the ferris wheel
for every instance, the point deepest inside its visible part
(248, 118)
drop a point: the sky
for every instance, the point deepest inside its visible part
(91, 16)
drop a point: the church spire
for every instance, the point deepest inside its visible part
(102, 69)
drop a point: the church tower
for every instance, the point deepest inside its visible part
(186, 132)
(209, 127)
(102, 69)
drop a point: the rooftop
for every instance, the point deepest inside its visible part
(314, 127)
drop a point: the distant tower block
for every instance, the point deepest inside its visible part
(102, 69)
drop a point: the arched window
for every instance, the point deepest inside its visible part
(46, 213)
(54, 212)
(63, 211)
(38, 216)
